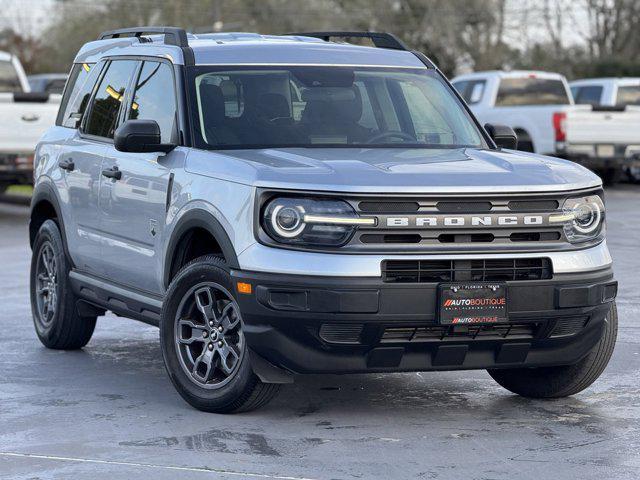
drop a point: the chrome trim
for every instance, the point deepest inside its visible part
(302, 64)
(260, 258)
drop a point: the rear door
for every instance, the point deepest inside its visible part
(134, 207)
(79, 162)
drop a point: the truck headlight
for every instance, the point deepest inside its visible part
(582, 218)
(310, 221)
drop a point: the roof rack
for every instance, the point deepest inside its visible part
(379, 39)
(172, 36)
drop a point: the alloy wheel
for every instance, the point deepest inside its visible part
(208, 335)
(46, 284)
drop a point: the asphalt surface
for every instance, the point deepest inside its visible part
(109, 411)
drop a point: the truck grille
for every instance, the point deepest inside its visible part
(437, 333)
(459, 223)
(492, 270)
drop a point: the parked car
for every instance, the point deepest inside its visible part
(48, 82)
(284, 205)
(611, 96)
(527, 101)
(24, 117)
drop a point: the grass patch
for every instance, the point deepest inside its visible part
(22, 190)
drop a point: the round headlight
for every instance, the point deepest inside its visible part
(310, 221)
(287, 221)
(587, 217)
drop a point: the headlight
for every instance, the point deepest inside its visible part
(582, 218)
(308, 221)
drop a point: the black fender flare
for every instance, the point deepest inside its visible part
(44, 191)
(206, 221)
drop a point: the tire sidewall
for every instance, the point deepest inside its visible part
(202, 398)
(49, 232)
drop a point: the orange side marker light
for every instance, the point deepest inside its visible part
(244, 288)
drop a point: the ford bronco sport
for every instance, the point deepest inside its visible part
(283, 205)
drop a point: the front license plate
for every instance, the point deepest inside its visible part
(472, 303)
(605, 151)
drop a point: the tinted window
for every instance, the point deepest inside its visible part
(588, 94)
(76, 96)
(154, 98)
(9, 81)
(531, 91)
(110, 94)
(328, 106)
(471, 90)
(629, 95)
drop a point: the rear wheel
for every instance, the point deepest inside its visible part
(611, 176)
(562, 381)
(53, 304)
(3, 188)
(203, 344)
(525, 144)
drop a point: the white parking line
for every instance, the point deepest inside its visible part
(150, 465)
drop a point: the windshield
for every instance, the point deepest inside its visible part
(309, 106)
(9, 81)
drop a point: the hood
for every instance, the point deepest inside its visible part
(395, 170)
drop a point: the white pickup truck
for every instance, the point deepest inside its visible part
(530, 102)
(24, 117)
(617, 101)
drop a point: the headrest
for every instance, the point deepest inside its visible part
(333, 104)
(212, 103)
(273, 105)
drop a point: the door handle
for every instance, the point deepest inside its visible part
(112, 173)
(67, 165)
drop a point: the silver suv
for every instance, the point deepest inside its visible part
(283, 205)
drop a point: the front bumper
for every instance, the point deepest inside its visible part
(311, 324)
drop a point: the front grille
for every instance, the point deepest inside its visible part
(438, 333)
(492, 270)
(568, 326)
(345, 333)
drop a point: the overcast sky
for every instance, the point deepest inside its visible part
(33, 16)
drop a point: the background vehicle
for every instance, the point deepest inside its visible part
(24, 117)
(48, 82)
(288, 204)
(524, 100)
(616, 136)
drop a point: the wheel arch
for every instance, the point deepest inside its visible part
(196, 221)
(44, 206)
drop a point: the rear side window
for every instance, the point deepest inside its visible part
(531, 91)
(9, 81)
(109, 97)
(629, 95)
(471, 90)
(155, 99)
(590, 95)
(76, 96)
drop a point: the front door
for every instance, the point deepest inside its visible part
(133, 206)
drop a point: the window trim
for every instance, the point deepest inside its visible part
(177, 133)
(66, 94)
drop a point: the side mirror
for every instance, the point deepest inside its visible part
(139, 136)
(502, 136)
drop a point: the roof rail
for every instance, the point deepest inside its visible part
(379, 39)
(172, 35)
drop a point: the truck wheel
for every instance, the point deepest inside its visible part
(53, 304)
(3, 188)
(525, 144)
(562, 381)
(611, 176)
(203, 345)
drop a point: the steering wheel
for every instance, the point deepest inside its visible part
(400, 135)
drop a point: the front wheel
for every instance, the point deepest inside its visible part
(562, 381)
(203, 344)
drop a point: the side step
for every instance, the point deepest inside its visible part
(121, 301)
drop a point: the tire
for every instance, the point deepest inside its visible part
(525, 144)
(562, 381)
(3, 188)
(55, 315)
(611, 176)
(185, 338)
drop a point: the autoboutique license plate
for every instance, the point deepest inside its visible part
(472, 303)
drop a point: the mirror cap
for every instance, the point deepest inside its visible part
(139, 136)
(502, 136)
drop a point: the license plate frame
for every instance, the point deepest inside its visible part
(472, 303)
